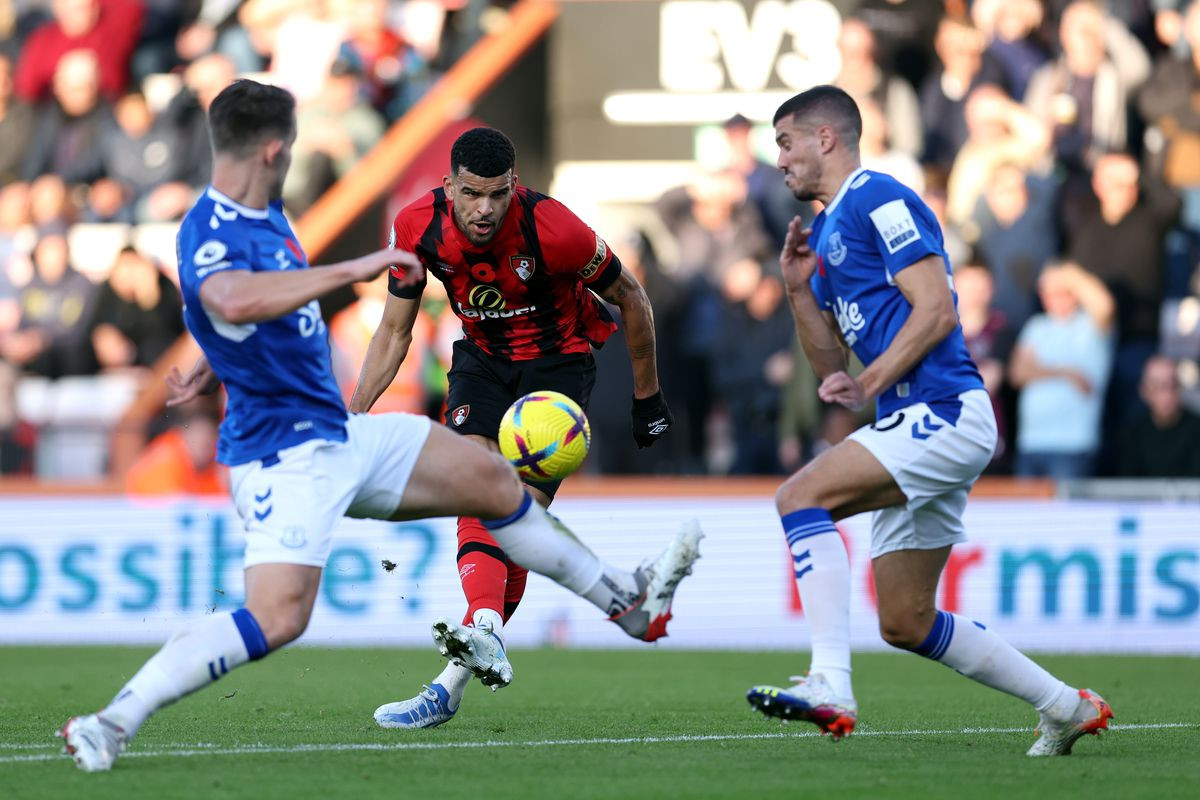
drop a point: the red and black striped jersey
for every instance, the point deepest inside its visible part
(525, 294)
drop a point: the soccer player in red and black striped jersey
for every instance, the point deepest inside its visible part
(523, 274)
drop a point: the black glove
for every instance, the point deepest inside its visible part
(651, 419)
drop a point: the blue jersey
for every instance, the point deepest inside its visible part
(277, 373)
(872, 229)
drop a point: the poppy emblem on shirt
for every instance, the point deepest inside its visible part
(524, 266)
(459, 415)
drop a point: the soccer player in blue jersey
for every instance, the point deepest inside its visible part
(299, 462)
(872, 276)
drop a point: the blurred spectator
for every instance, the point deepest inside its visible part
(1015, 234)
(215, 29)
(335, 129)
(1084, 94)
(1169, 25)
(17, 437)
(751, 364)
(934, 180)
(1122, 244)
(109, 29)
(904, 32)
(876, 152)
(17, 121)
(67, 140)
(944, 93)
(15, 267)
(1165, 441)
(862, 77)
(775, 203)
(138, 313)
(183, 459)
(53, 338)
(138, 156)
(300, 36)
(1168, 104)
(1010, 28)
(988, 337)
(613, 449)
(999, 131)
(186, 119)
(714, 225)
(1060, 365)
(394, 74)
(50, 204)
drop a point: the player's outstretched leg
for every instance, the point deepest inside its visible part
(906, 585)
(191, 659)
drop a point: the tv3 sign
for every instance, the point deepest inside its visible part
(709, 45)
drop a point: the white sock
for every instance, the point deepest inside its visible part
(191, 659)
(539, 542)
(489, 618)
(454, 680)
(974, 651)
(822, 571)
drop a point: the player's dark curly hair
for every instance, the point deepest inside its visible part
(247, 112)
(485, 152)
(825, 104)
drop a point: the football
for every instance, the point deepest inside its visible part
(545, 435)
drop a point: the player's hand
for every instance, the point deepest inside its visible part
(651, 419)
(797, 261)
(200, 379)
(406, 267)
(844, 390)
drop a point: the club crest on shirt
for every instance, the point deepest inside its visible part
(837, 249)
(524, 266)
(459, 415)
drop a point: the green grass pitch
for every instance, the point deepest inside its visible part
(593, 724)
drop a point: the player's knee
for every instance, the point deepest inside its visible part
(283, 625)
(503, 490)
(798, 491)
(905, 631)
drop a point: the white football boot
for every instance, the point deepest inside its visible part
(811, 699)
(1056, 738)
(657, 581)
(477, 648)
(93, 741)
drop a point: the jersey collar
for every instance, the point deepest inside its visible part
(245, 211)
(843, 189)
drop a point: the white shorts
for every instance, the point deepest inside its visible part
(935, 463)
(290, 507)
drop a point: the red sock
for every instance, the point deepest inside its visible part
(514, 590)
(482, 568)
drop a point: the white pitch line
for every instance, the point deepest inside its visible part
(209, 749)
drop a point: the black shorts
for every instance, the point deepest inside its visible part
(482, 387)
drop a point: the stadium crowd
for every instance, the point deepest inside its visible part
(1058, 141)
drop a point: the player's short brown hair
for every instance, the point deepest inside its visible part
(828, 105)
(247, 112)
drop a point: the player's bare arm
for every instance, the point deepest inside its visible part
(200, 379)
(818, 332)
(933, 317)
(386, 352)
(240, 296)
(637, 318)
